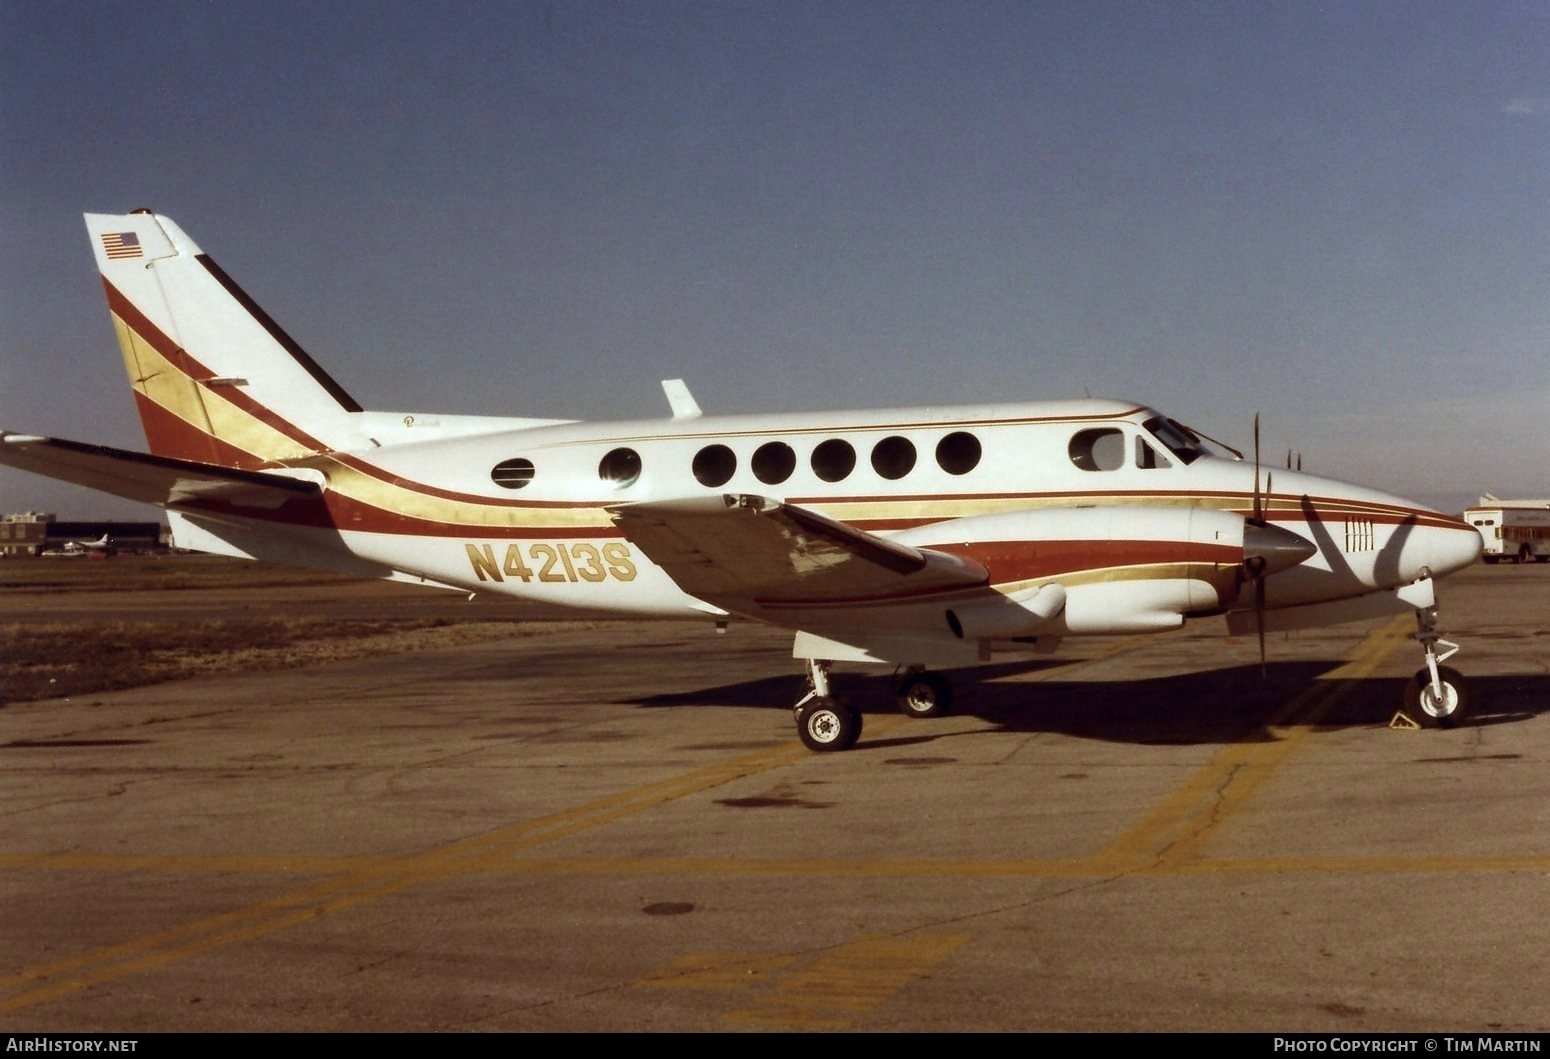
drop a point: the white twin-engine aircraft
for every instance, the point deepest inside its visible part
(925, 537)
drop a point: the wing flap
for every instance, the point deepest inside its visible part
(744, 552)
(159, 480)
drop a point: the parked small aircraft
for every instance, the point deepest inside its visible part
(102, 545)
(914, 537)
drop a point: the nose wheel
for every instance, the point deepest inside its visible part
(1436, 695)
(1436, 705)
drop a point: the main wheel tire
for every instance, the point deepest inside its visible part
(926, 695)
(828, 724)
(1422, 703)
(1525, 553)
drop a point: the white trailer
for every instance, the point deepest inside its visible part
(1514, 530)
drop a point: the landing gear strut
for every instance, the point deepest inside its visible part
(823, 722)
(1435, 696)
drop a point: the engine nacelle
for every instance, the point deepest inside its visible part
(1004, 617)
(1102, 569)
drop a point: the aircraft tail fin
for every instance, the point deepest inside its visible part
(215, 379)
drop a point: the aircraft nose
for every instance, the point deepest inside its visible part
(1440, 549)
(1454, 549)
(1275, 547)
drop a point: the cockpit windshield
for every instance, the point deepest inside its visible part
(1179, 439)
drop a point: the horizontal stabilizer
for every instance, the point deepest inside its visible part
(160, 480)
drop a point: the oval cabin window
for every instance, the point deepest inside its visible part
(512, 474)
(714, 465)
(620, 468)
(958, 453)
(833, 460)
(773, 462)
(893, 457)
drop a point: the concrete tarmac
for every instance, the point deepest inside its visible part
(614, 828)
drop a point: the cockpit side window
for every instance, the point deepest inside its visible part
(1098, 449)
(1183, 444)
(1148, 457)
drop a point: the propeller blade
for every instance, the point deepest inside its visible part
(1288, 459)
(1259, 623)
(1257, 512)
(1267, 549)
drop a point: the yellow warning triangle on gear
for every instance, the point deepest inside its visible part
(1402, 721)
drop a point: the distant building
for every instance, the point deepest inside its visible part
(24, 534)
(40, 533)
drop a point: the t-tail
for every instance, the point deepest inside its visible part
(215, 379)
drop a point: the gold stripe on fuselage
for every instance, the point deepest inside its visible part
(1220, 577)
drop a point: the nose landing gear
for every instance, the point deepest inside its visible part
(1436, 695)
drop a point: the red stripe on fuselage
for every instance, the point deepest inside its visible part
(355, 514)
(1014, 560)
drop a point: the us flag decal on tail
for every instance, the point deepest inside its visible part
(121, 244)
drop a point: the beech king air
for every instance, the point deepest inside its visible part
(922, 538)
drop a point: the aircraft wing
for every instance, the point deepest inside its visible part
(744, 553)
(149, 479)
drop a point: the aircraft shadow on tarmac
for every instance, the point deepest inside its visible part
(1231, 705)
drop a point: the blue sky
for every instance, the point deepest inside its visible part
(1336, 215)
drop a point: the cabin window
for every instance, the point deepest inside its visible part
(620, 468)
(512, 474)
(1148, 457)
(833, 460)
(893, 457)
(773, 462)
(958, 453)
(1098, 449)
(714, 464)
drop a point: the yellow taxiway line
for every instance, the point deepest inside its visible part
(1170, 839)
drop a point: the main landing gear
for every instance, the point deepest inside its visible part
(827, 723)
(1435, 696)
(824, 722)
(923, 693)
